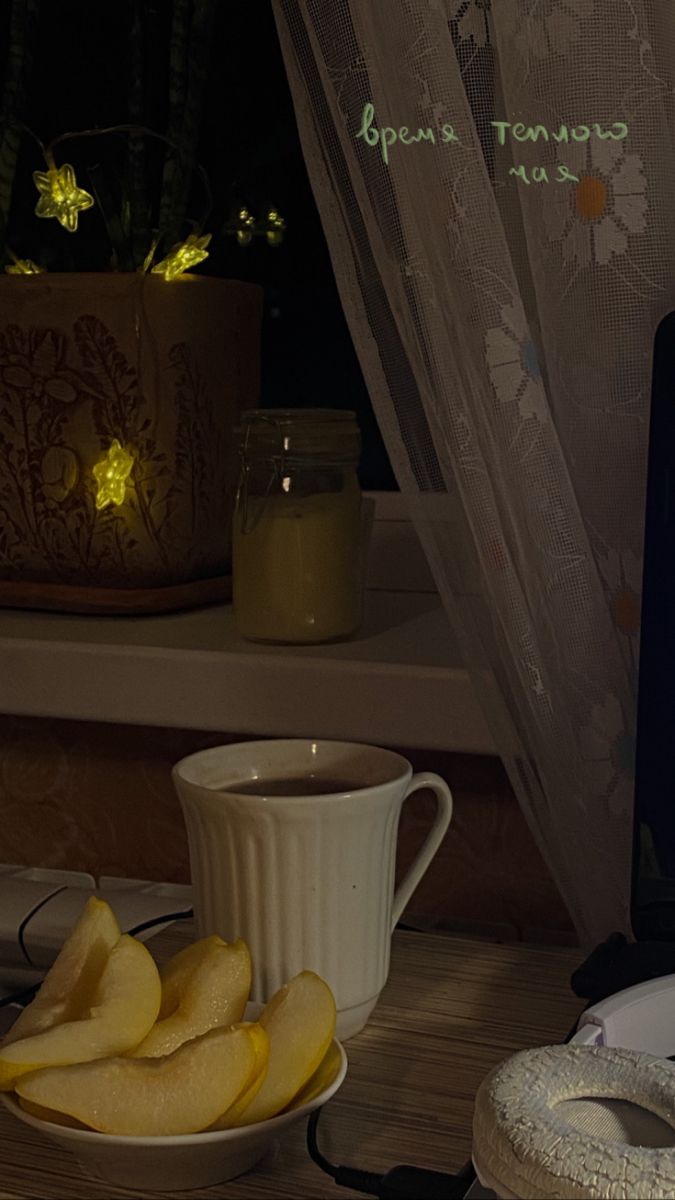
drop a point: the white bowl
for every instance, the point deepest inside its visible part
(171, 1164)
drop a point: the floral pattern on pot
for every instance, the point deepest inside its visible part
(66, 395)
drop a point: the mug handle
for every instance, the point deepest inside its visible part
(430, 844)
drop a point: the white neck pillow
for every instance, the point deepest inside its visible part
(577, 1123)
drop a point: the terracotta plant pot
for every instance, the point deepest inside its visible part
(164, 369)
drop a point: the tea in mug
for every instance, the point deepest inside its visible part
(300, 785)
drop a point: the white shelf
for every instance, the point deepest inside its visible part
(398, 682)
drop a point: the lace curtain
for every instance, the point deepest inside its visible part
(502, 230)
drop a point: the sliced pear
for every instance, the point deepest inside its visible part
(232, 1114)
(322, 1078)
(125, 1006)
(214, 992)
(68, 987)
(300, 1022)
(151, 1097)
(176, 973)
(48, 1114)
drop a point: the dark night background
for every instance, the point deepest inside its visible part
(80, 79)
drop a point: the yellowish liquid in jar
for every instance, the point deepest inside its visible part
(296, 573)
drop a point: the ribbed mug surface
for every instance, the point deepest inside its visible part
(306, 881)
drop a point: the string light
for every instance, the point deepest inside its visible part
(60, 196)
(276, 226)
(147, 262)
(23, 266)
(111, 475)
(183, 256)
(245, 226)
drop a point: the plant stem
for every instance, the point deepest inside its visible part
(138, 192)
(201, 43)
(178, 53)
(22, 20)
(114, 228)
(47, 152)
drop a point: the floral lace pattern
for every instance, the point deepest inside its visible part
(541, 30)
(472, 18)
(507, 349)
(514, 365)
(594, 219)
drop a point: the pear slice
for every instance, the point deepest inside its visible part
(68, 987)
(300, 1023)
(177, 972)
(125, 1006)
(212, 992)
(48, 1114)
(321, 1079)
(232, 1114)
(152, 1097)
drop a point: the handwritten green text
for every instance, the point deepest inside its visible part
(387, 136)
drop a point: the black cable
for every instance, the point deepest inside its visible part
(177, 916)
(362, 1181)
(19, 997)
(22, 926)
(26, 994)
(401, 1183)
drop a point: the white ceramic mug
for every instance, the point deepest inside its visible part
(307, 879)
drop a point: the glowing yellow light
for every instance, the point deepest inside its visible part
(245, 226)
(275, 227)
(183, 256)
(60, 196)
(149, 256)
(111, 475)
(24, 266)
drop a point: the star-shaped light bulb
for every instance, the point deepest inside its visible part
(245, 226)
(24, 266)
(60, 196)
(111, 475)
(183, 256)
(275, 227)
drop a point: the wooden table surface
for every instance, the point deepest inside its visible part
(453, 1007)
